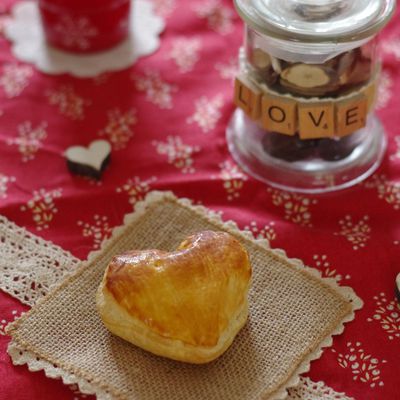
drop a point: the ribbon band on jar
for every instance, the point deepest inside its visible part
(312, 118)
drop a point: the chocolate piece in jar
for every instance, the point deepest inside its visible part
(336, 149)
(309, 79)
(288, 148)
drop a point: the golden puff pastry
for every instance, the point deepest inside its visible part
(187, 305)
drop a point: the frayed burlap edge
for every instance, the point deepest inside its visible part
(305, 390)
(88, 383)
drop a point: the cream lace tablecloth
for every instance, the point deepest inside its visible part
(30, 266)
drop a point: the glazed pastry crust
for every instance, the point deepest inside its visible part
(187, 305)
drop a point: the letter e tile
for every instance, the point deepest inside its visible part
(351, 115)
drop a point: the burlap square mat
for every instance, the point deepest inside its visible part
(293, 314)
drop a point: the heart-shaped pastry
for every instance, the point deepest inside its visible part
(89, 161)
(187, 305)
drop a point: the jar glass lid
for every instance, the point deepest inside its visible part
(317, 20)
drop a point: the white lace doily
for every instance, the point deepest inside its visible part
(28, 43)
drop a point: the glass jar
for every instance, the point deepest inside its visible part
(305, 93)
(85, 26)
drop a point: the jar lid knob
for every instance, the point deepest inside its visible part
(318, 10)
(317, 21)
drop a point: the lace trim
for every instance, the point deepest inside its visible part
(309, 390)
(306, 390)
(29, 265)
(300, 387)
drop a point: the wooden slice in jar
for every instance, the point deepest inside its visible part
(260, 59)
(346, 61)
(266, 67)
(309, 79)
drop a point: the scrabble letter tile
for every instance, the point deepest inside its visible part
(279, 114)
(316, 120)
(248, 96)
(351, 115)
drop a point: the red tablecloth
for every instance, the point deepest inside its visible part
(166, 119)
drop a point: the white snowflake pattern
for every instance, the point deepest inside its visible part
(392, 46)
(157, 91)
(357, 233)
(164, 8)
(29, 139)
(4, 20)
(233, 179)
(15, 78)
(387, 314)
(363, 366)
(4, 322)
(102, 78)
(4, 182)
(179, 154)
(69, 103)
(297, 207)
(396, 155)
(387, 190)
(118, 129)
(384, 90)
(42, 207)
(185, 53)
(219, 17)
(136, 188)
(99, 229)
(228, 70)
(324, 180)
(321, 262)
(90, 180)
(75, 32)
(207, 113)
(267, 232)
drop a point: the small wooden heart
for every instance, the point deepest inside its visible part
(398, 287)
(89, 161)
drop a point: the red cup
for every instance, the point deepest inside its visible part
(85, 26)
